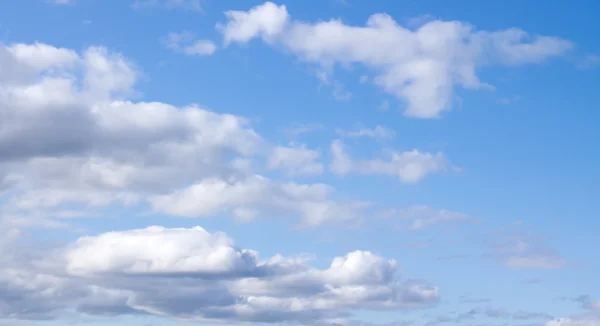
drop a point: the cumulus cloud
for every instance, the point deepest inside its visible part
(409, 167)
(421, 67)
(73, 138)
(266, 20)
(196, 275)
(257, 196)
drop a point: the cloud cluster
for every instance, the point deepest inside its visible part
(472, 314)
(193, 274)
(422, 67)
(73, 138)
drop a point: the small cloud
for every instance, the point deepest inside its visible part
(587, 302)
(191, 5)
(589, 62)
(61, 2)
(496, 313)
(186, 43)
(509, 100)
(379, 133)
(466, 299)
(454, 257)
(299, 129)
(527, 315)
(409, 167)
(384, 106)
(342, 2)
(201, 47)
(524, 251)
(339, 91)
(533, 280)
(422, 217)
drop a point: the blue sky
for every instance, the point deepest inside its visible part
(302, 162)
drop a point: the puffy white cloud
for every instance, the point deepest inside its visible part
(422, 67)
(72, 138)
(255, 196)
(266, 20)
(192, 274)
(409, 167)
(158, 250)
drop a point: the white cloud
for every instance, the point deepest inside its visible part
(157, 250)
(524, 251)
(186, 43)
(200, 47)
(585, 321)
(296, 160)
(409, 167)
(421, 217)
(421, 67)
(267, 20)
(590, 61)
(538, 261)
(191, 274)
(379, 132)
(258, 196)
(72, 140)
(191, 5)
(590, 318)
(296, 130)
